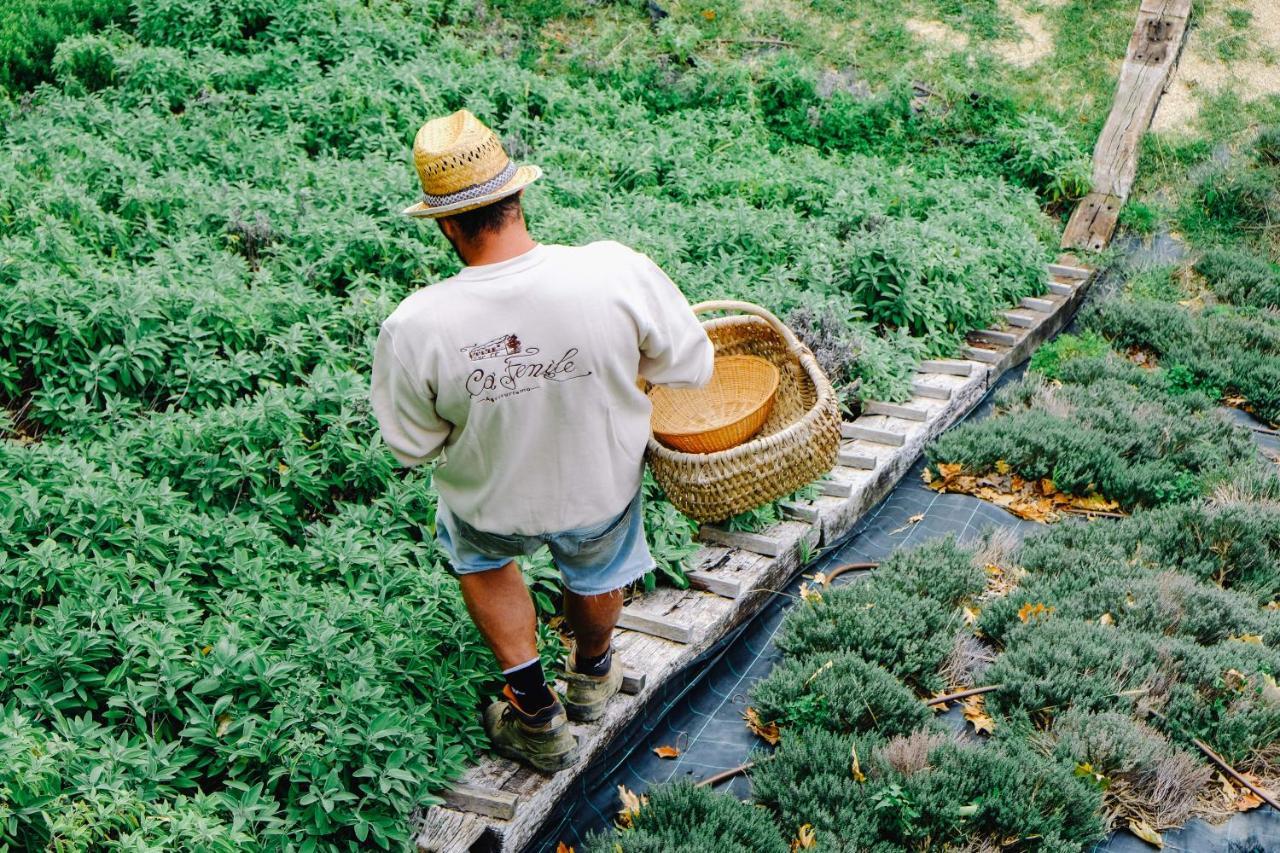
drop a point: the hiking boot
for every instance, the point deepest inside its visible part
(541, 741)
(587, 695)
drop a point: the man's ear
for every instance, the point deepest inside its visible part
(448, 228)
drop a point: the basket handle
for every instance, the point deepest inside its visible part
(793, 343)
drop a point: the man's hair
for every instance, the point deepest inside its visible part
(491, 217)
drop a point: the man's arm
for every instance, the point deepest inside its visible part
(404, 406)
(674, 348)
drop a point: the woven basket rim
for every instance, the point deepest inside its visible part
(756, 406)
(825, 392)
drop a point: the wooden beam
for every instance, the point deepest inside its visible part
(986, 356)
(834, 489)
(807, 513)
(894, 410)
(995, 336)
(655, 627)
(711, 582)
(1022, 321)
(756, 543)
(1093, 222)
(931, 391)
(879, 436)
(484, 801)
(1151, 57)
(951, 368)
(1064, 271)
(861, 461)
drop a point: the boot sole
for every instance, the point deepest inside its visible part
(546, 763)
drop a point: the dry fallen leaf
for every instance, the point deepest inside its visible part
(1106, 619)
(769, 732)
(1252, 639)
(809, 594)
(915, 519)
(855, 766)
(666, 752)
(826, 666)
(1029, 611)
(224, 723)
(1247, 800)
(975, 711)
(970, 615)
(563, 848)
(805, 838)
(820, 578)
(631, 805)
(1146, 832)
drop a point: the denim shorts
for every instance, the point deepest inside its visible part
(592, 560)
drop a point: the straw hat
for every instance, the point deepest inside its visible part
(462, 166)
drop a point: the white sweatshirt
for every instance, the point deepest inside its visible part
(521, 375)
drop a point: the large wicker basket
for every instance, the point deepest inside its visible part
(798, 443)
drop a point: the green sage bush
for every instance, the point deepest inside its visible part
(1108, 427)
(683, 819)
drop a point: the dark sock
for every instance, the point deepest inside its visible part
(596, 666)
(529, 684)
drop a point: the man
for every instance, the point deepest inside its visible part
(520, 373)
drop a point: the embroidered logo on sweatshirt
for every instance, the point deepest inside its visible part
(516, 369)
(499, 346)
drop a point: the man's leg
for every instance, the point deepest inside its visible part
(500, 605)
(592, 618)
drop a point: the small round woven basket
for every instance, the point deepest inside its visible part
(797, 444)
(729, 410)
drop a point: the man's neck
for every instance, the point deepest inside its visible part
(506, 244)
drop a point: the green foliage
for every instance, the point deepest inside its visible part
(854, 617)
(30, 31)
(926, 789)
(1220, 350)
(1139, 217)
(928, 583)
(841, 692)
(1239, 196)
(1234, 543)
(1241, 277)
(1039, 154)
(1049, 358)
(221, 600)
(1107, 427)
(680, 818)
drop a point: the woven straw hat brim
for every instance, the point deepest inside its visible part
(524, 176)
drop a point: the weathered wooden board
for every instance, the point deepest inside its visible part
(854, 459)
(867, 433)
(1020, 319)
(986, 356)
(481, 801)
(1093, 222)
(954, 368)
(995, 336)
(921, 389)
(1152, 54)
(895, 410)
(1034, 303)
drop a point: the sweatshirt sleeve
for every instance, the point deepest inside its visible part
(404, 406)
(674, 348)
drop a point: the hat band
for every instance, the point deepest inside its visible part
(472, 192)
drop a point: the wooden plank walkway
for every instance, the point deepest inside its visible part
(737, 572)
(1152, 55)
